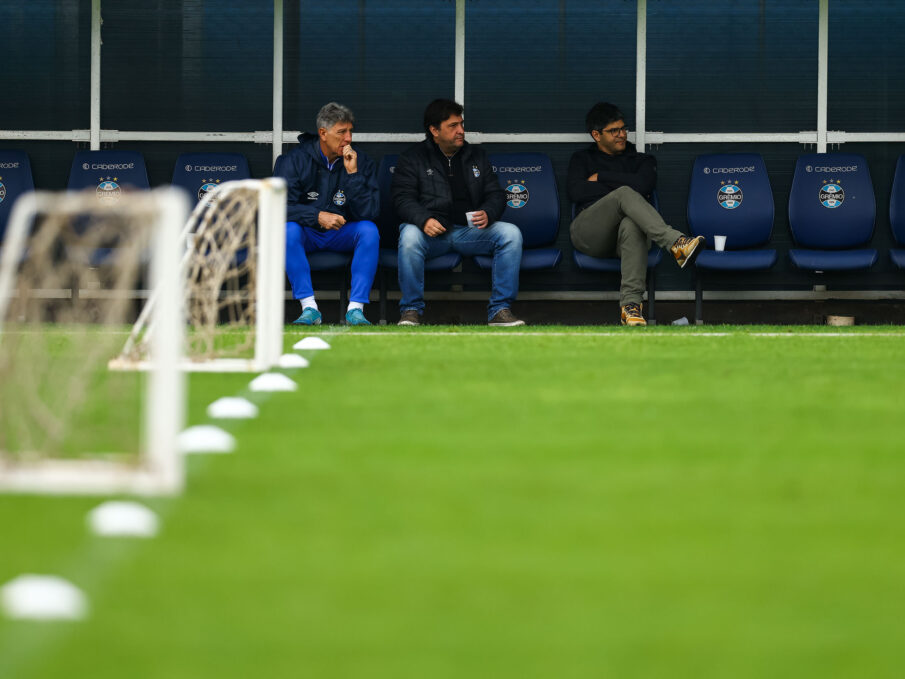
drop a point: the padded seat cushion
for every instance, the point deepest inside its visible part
(736, 260)
(611, 264)
(833, 260)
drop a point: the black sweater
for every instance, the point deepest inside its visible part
(629, 168)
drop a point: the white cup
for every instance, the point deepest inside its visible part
(719, 243)
(470, 217)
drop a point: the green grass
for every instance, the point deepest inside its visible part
(432, 503)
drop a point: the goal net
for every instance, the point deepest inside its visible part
(69, 269)
(232, 268)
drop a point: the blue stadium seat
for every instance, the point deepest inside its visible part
(388, 224)
(532, 204)
(831, 212)
(328, 261)
(730, 195)
(199, 173)
(15, 179)
(897, 213)
(109, 173)
(614, 265)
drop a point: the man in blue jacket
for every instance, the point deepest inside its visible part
(332, 201)
(449, 200)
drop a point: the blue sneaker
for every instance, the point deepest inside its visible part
(356, 317)
(310, 316)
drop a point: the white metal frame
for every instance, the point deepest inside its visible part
(160, 470)
(270, 269)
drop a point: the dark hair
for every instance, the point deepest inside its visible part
(437, 111)
(601, 115)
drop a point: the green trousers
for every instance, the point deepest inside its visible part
(623, 224)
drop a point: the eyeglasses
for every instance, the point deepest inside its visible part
(617, 131)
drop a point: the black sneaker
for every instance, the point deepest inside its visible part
(504, 318)
(409, 317)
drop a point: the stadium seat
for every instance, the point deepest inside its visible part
(328, 261)
(388, 223)
(15, 179)
(199, 173)
(897, 213)
(108, 172)
(831, 212)
(532, 204)
(730, 195)
(614, 265)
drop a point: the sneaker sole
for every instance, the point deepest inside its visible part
(408, 323)
(506, 325)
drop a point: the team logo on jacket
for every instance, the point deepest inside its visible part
(831, 194)
(516, 195)
(430, 171)
(730, 195)
(312, 195)
(205, 189)
(475, 171)
(2, 191)
(339, 198)
(108, 191)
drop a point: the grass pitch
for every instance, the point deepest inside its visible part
(566, 503)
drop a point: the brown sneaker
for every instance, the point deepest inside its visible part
(686, 249)
(631, 314)
(409, 317)
(504, 318)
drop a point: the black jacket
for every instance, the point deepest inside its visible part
(421, 189)
(313, 188)
(629, 168)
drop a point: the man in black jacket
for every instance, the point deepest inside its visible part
(610, 183)
(448, 197)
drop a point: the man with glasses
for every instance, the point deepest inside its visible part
(610, 183)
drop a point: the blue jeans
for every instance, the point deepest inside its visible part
(361, 238)
(501, 239)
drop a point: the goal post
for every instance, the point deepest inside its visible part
(67, 425)
(233, 271)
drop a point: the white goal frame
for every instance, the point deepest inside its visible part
(160, 469)
(269, 285)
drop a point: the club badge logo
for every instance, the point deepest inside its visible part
(108, 192)
(2, 190)
(339, 198)
(516, 195)
(207, 186)
(730, 195)
(831, 194)
(475, 171)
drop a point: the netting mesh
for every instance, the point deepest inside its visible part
(220, 272)
(71, 302)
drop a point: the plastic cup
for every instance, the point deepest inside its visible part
(470, 217)
(719, 243)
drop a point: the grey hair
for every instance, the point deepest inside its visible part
(333, 113)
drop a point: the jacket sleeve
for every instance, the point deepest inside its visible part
(643, 179)
(494, 200)
(579, 188)
(364, 192)
(293, 173)
(405, 192)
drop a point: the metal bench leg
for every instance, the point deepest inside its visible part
(699, 299)
(652, 296)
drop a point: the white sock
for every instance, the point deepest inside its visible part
(356, 305)
(309, 303)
